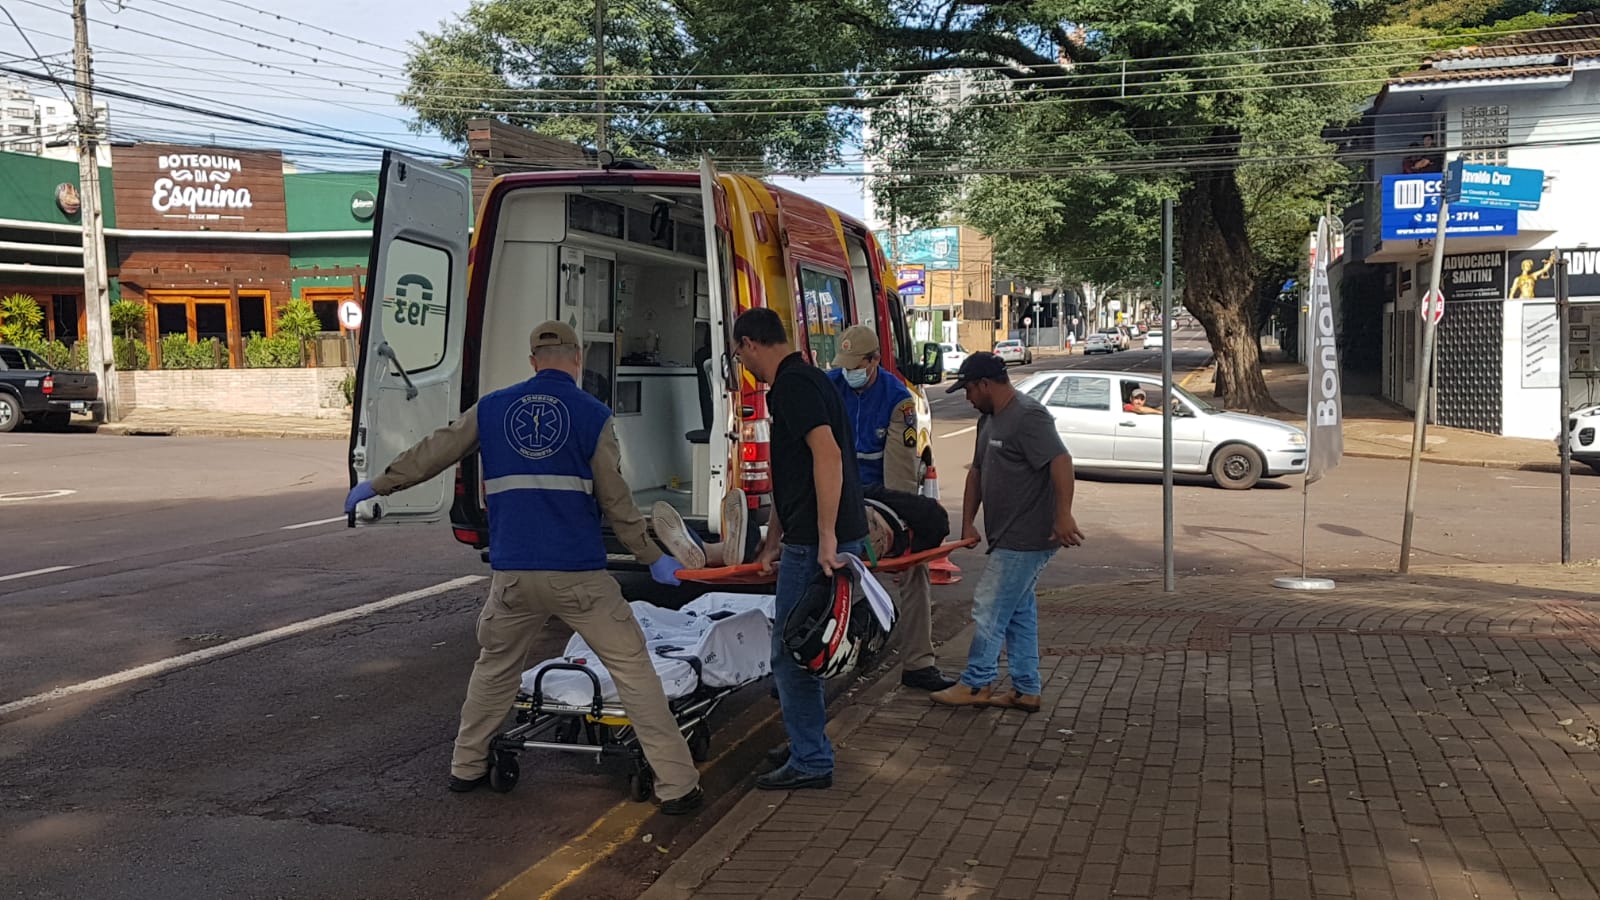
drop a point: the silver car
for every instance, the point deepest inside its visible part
(1112, 421)
(1013, 353)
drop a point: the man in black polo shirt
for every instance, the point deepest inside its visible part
(819, 515)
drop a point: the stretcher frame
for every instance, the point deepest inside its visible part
(750, 573)
(600, 729)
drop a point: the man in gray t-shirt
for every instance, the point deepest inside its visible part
(1021, 476)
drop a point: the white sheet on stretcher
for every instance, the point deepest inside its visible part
(733, 650)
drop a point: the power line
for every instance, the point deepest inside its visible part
(215, 114)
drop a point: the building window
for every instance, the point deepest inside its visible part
(64, 318)
(1488, 129)
(252, 315)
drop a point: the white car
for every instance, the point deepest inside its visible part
(1583, 436)
(1013, 353)
(954, 355)
(1100, 422)
(1099, 343)
(1118, 335)
(1153, 339)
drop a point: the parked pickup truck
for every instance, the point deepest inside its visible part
(30, 389)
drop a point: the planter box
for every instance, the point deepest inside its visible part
(307, 393)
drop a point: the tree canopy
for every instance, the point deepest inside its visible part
(1056, 126)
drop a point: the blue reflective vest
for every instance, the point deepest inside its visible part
(536, 440)
(869, 413)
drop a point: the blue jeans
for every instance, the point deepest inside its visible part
(1006, 612)
(800, 693)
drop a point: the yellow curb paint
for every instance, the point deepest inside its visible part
(1190, 377)
(546, 878)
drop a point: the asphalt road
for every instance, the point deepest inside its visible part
(313, 765)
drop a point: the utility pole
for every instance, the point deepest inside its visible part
(600, 75)
(96, 295)
(1564, 434)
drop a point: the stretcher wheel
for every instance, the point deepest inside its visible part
(700, 742)
(504, 772)
(641, 784)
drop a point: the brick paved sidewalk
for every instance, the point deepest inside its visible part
(1434, 736)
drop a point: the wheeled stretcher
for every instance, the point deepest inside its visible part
(702, 653)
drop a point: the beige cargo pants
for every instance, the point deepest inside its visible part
(914, 622)
(591, 604)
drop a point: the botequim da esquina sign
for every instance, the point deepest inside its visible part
(161, 186)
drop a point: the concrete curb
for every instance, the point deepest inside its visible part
(160, 430)
(1465, 463)
(682, 880)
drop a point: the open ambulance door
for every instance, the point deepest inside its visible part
(409, 378)
(725, 386)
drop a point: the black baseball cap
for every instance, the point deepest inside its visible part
(977, 367)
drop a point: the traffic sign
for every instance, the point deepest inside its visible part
(1432, 305)
(1026, 321)
(350, 314)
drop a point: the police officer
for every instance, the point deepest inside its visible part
(551, 468)
(883, 415)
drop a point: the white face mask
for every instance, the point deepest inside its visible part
(856, 378)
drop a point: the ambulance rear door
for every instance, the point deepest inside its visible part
(725, 386)
(408, 380)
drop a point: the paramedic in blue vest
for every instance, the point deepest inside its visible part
(883, 416)
(551, 469)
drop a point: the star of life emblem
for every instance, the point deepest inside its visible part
(537, 425)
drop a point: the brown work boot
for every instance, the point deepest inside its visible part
(1028, 703)
(960, 694)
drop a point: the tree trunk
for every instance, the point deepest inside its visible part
(1218, 288)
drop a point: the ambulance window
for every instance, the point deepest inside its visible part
(902, 339)
(866, 299)
(824, 297)
(416, 304)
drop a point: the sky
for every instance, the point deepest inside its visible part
(332, 68)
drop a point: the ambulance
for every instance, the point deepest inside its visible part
(650, 268)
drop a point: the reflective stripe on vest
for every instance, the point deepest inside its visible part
(538, 482)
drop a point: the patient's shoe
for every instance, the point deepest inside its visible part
(679, 539)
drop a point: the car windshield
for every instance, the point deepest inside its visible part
(1199, 404)
(1007, 344)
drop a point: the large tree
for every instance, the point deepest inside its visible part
(680, 77)
(1056, 125)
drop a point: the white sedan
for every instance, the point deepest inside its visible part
(1112, 421)
(1584, 436)
(954, 356)
(1013, 353)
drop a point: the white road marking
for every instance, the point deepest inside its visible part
(35, 572)
(968, 429)
(314, 524)
(25, 496)
(172, 663)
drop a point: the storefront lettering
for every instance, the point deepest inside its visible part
(195, 183)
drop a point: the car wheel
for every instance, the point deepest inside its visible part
(1236, 467)
(1594, 466)
(10, 413)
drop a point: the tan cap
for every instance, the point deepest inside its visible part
(857, 343)
(552, 334)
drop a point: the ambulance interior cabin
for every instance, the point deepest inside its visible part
(626, 268)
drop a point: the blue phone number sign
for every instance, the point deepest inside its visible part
(1411, 211)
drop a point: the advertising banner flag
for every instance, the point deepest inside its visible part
(1324, 403)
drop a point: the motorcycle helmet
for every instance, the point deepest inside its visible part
(818, 633)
